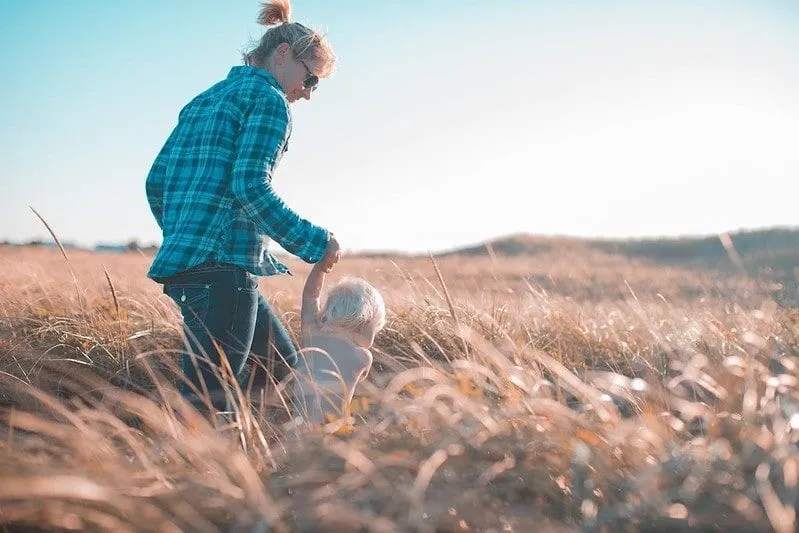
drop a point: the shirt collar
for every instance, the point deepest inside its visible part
(247, 70)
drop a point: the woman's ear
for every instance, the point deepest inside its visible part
(282, 54)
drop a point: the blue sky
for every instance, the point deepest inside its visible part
(445, 123)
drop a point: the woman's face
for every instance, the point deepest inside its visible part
(296, 76)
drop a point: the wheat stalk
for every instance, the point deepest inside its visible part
(64, 253)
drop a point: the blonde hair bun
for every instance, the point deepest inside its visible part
(274, 12)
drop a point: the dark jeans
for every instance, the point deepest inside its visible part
(220, 303)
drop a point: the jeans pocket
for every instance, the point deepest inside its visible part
(245, 299)
(193, 300)
(245, 311)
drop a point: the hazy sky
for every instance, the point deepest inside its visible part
(446, 122)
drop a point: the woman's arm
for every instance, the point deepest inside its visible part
(154, 187)
(263, 133)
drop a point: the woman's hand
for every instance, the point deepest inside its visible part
(332, 254)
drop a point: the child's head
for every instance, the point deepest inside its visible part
(354, 305)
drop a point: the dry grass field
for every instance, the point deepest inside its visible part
(569, 391)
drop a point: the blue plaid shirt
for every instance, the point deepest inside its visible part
(210, 186)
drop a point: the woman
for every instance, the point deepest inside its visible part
(210, 192)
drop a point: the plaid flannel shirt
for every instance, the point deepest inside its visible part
(210, 188)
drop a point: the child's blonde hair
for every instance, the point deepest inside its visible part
(354, 304)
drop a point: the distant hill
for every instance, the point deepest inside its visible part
(762, 252)
(771, 254)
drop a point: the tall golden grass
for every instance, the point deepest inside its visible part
(573, 391)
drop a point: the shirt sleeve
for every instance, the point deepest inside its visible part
(263, 134)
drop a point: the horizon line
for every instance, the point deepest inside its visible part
(387, 251)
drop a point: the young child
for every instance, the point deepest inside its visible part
(335, 342)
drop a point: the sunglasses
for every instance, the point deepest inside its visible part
(312, 80)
